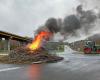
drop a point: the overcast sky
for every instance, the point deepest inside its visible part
(23, 17)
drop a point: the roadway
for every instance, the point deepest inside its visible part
(74, 67)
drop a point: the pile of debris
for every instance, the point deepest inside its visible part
(24, 54)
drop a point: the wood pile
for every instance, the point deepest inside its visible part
(23, 54)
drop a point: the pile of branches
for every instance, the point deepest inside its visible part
(24, 54)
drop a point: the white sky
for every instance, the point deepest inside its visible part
(23, 17)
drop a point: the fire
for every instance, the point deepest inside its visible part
(36, 43)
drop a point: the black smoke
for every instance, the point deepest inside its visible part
(71, 23)
(87, 16)
(83, 19)
(52, 25)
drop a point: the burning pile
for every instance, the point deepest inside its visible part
(69, 26)
(35, 51)
(23, 54)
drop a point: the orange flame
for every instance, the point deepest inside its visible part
(36, 43)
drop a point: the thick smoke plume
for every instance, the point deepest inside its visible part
(52, 25)
(71, 23)
(83, 20)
